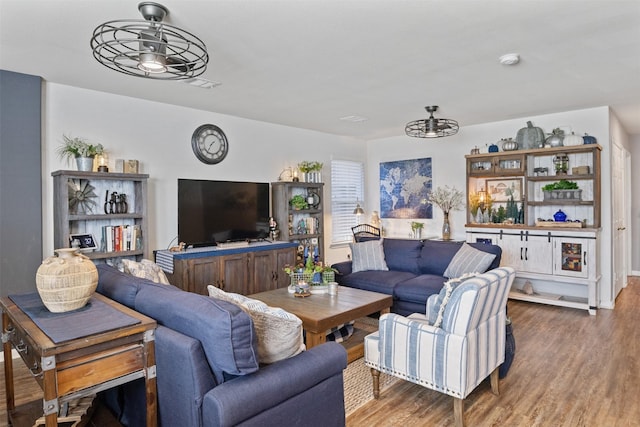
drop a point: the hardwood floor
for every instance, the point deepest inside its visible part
(570, 369)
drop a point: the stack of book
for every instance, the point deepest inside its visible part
(117, 238)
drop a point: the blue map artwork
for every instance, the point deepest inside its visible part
(404, 186)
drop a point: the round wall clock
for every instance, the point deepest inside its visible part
(209, 144)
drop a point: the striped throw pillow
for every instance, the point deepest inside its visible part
(368, 256)
(468, 260)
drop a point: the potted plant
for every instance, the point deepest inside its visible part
(562, 190)
(299, 202)
(81, 150)
(311, 170)
(416, 229)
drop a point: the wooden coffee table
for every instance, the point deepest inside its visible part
(321, 312)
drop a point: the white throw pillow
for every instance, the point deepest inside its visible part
(145, 269)
(368, 256)
(279, 332)
(468, 260)
(437, 313)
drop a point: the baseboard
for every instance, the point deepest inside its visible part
(635, 272)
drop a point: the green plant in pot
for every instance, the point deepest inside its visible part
(416, 229)
(299, 202)
(311, 170)
(79, 148)
(563, 184)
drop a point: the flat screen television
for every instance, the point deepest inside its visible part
(210, 212)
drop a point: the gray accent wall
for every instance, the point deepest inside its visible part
(20, 182)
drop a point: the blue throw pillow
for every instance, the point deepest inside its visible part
(402, 254)
(224, 329)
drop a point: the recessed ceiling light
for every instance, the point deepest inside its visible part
(354, 119)
(201, 83)
(510, 59)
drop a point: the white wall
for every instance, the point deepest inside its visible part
(159, 136)
(449, 168)
(635, 204)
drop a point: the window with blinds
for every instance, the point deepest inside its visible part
(347, 190)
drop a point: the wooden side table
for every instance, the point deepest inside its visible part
(82, 366)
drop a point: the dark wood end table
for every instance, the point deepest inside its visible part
(79, 367)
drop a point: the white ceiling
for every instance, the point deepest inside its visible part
(307, 63)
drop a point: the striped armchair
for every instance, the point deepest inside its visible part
(456, 357)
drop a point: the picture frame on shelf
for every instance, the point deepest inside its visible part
(84, 241)
(502, 189)
(131, 166)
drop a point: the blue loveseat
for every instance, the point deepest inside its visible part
(207, 368)
(416, 271)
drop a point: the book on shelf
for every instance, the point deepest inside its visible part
(119, 238)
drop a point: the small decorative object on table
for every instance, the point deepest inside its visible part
(314, 275)
(493, 148)
(66, 282)
(81, 150)
(447, 199)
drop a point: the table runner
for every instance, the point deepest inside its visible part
(60, 327)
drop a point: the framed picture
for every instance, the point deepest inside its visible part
(86, 242)
(501, 190)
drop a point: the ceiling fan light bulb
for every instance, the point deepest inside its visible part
(152, 63)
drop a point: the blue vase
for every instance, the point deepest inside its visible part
(560, 216)
(588, 139)
(493, 148)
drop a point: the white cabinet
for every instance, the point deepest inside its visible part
(560, 265)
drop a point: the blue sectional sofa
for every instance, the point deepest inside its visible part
(415, 271)
(207, 368)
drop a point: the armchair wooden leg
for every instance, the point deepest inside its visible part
(458, 412)
(494, 382)
(375, 374)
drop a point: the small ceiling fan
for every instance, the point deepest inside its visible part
(149, 48)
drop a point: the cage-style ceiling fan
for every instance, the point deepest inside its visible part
(149, 48)
(431, 127)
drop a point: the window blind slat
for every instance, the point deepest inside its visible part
(347, 190)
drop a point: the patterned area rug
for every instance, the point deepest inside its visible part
(358, 385)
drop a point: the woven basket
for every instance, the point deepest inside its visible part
(66, 282)
(324, 277)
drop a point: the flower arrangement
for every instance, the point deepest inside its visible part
(447, 198)
(78, 147)
(306, 166)
(309, 268)
(311, 272)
